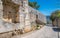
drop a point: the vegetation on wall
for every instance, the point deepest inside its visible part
(34, 5)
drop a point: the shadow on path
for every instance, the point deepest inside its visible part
(56, 29)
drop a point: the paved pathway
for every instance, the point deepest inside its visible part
(45, 32)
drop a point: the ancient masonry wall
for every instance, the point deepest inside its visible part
(1, 12)
(23, 17)
(1, 16)
(23, 13)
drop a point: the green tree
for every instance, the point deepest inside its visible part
(55, 16)
(57, 13)
(34, 5)
(52, 17)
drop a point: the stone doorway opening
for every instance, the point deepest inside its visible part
(10, 11)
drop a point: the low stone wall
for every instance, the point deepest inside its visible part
(10, 34)
(6, 35)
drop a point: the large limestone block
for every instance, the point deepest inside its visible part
(27, 29)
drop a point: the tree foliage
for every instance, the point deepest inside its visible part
(34, 5)
(55, 14)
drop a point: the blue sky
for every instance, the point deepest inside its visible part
(47, 6)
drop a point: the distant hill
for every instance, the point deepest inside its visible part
(48, 19)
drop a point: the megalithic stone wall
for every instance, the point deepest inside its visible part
(24, 15)
(1, 13)
(27, 18)
(1, 10)
(33, 12)
(1, 16)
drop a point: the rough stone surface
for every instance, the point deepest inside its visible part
(16, 11)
